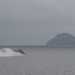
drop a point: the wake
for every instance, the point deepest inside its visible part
(7, 52)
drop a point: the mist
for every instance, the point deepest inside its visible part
(35, 22)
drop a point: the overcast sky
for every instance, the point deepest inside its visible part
(34, 22)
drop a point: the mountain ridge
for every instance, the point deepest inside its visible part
(62, 39)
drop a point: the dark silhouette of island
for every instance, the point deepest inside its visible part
(62, 39)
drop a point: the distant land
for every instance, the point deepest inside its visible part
(62, 39)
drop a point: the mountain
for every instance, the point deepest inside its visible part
(62, 39)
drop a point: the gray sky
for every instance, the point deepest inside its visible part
(34, 22)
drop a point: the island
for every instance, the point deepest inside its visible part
(62, 39)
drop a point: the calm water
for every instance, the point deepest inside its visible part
(40, 60)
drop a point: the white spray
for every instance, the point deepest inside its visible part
(7, 52)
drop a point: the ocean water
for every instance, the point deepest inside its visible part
(39, 60)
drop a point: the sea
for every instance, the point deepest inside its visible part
(39, 60)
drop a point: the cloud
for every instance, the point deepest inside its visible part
(69, 9)
(35, 21)
(29, 11)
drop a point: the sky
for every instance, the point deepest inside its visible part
(35, 22)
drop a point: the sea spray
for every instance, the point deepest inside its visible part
(8, 52)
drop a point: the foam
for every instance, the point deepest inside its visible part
(8, 52)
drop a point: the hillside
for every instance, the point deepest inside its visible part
(62, 39)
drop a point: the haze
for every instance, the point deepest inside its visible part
(34, 22)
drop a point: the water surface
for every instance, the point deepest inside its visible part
(40, 60)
